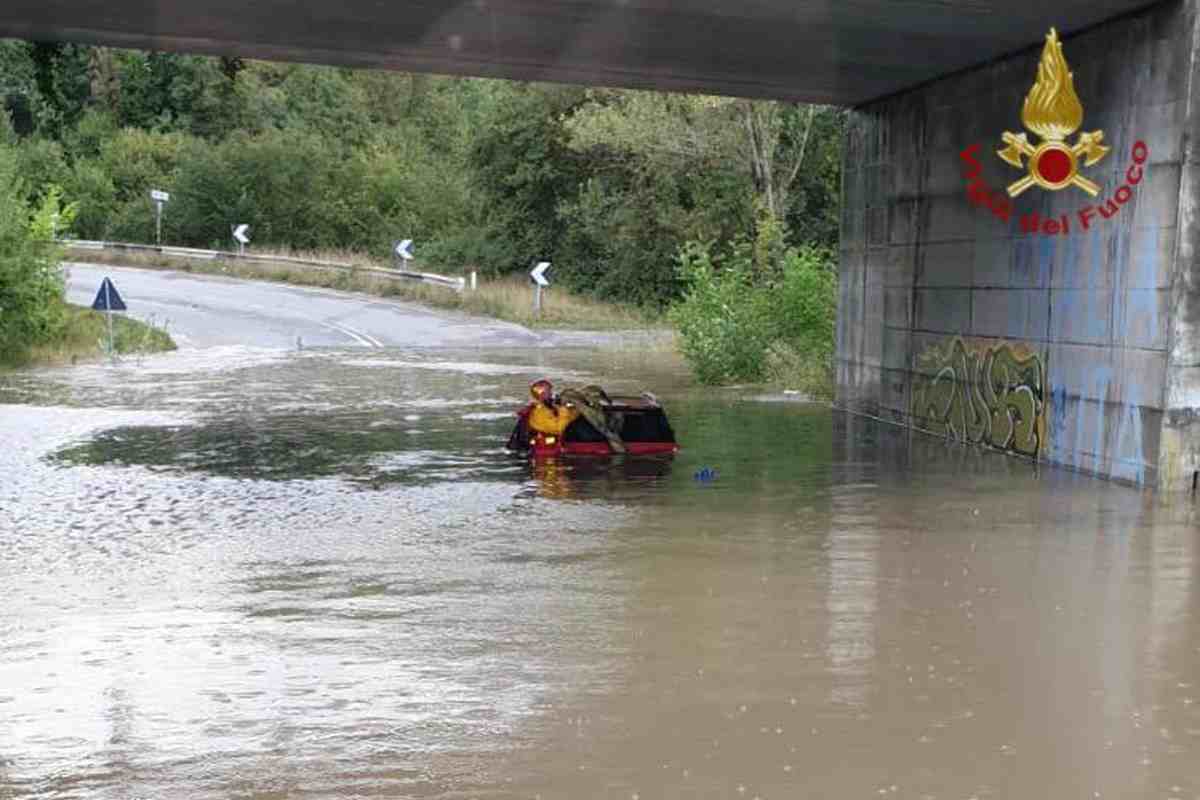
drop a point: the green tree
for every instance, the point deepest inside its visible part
(487, 175)
(18, 89)
(814, 204)
(104, 79)
(326, 102)
(31, 283)
(92, 188)
(787, 155)
(60, 73)
(166, 92)
(113, 188)
(522, 163)
(41, 163)
(291, 189)
(768, 142)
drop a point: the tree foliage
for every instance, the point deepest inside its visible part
(31, 283)
(735, 326)
(609, 186)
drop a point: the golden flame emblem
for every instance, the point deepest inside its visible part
(1053, 112)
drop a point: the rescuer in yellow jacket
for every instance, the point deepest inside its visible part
(546, 418)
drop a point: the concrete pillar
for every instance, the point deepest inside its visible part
(1054, 325)
(1179, 447)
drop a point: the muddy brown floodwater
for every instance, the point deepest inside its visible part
(254, 574)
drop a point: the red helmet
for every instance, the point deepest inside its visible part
(541, 390)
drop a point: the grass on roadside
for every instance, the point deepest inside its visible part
(85, 338)
(507, 299)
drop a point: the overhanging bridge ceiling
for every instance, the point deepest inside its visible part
(830, 51)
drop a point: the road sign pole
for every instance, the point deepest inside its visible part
(538, 274)
(108, 300)
(112, 353)
(402, 252)
(159, 197)
(239, 235)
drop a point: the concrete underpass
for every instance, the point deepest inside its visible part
(1055, 325)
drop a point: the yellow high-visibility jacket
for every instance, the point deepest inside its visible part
(551, 421)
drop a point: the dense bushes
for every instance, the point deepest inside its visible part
(289, 188)
(734, 328)
(723, 319)
(31, 284)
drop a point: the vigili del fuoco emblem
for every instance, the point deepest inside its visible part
(1053, 112)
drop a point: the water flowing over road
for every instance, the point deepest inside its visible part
(261, 572)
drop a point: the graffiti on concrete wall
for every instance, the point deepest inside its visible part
(985, 393)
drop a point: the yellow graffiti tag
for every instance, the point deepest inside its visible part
(989, 394)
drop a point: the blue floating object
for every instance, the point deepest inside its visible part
(706, 474)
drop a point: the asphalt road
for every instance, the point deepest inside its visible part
(209, 311)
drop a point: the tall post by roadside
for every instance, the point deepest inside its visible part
(239, 233)
(538, 275)
(403, 252)
(109, 300)
(159, 198)
(112, 354)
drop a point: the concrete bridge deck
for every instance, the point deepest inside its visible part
(828, 51)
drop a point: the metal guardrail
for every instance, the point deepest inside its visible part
(458, 284)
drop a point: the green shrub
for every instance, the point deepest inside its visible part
(90, 186)
(724, 324)
(803, 301)
(758, 316)
(113, 187)
(619, 238)
(288, 188)
(31, 283)
(52, 219)
(41, 163)
(804, 311)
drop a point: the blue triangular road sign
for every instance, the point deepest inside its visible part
(107, 298)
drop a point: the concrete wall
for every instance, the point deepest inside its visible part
(1179, 447)
(952, 321)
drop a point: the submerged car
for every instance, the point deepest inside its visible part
(640, 422)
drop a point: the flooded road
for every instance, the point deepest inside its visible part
(265, 574)
(202, 310)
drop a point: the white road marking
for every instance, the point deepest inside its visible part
(363, 334)
(333, 326)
